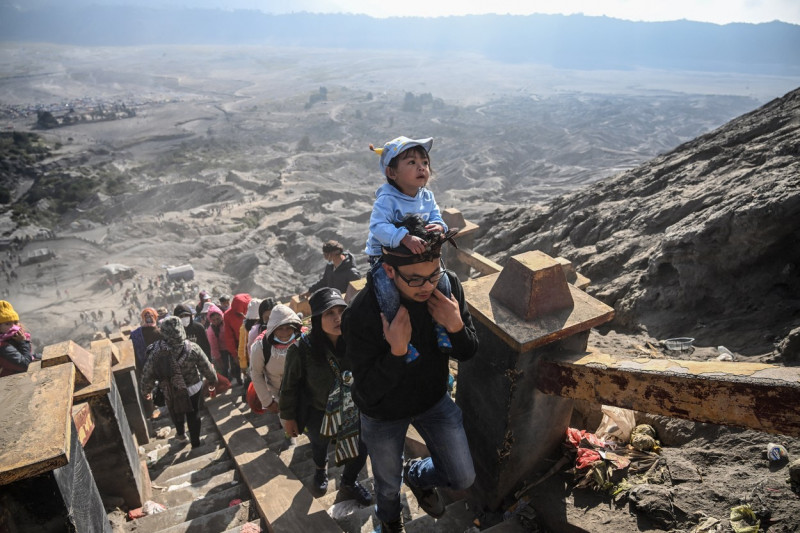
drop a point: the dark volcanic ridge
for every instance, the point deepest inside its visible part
(703, 241)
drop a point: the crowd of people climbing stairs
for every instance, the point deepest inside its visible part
(353, 376)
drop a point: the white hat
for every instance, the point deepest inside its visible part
(252, 309)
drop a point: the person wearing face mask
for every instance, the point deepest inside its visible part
(194, 331)
(315, 395)
(340, 269)
(268, 356)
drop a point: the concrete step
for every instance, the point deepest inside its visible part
(457, 517)
(180, 452)
(213, 469)
(167, 472)
(512, 526)
(222, 520)
(278, 494)
(175, 495)
(254, 526)
(188, 511)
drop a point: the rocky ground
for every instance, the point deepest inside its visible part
(226, 168)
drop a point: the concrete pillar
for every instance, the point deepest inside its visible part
(46, 483)
(526, 311)
(465, 239)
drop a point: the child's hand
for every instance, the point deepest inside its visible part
(415, 244)
(435, 227)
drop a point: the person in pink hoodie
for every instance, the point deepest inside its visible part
(231, 324)
(214, 334)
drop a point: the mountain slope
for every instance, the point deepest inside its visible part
(703, 241)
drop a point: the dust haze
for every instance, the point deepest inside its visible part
(242, 160)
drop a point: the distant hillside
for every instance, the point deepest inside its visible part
(702, 242)
(573, 41)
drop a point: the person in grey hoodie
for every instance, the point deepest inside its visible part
(268, 355)
(179, 365)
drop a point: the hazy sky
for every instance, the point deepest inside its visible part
(717, 11)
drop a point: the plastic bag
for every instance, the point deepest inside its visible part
(151, 507)
(617, 424)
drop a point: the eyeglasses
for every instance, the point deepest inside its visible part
(433, 279)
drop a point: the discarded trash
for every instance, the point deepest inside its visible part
(163, 433)
(709, 524)
(251, 528)
(643, 438)
(343, 509)
(679, 344)
(655, 502)
(617, 424)
(152, 457)
(234, 502)
(776, 452)
(744, 520)
(151, 507)
(178, 486)
(723, 351)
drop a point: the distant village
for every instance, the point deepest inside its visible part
(77, 111)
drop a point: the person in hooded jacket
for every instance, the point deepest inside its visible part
(316, 396)
(179, 365)
(203, 298)
(250, 319)
(214, 335)
(264, 311)
(194, 331)
(142, 337)
(231, 323)
(268, 355)
(339, 271)
(15, 342)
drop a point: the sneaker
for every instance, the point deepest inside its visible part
(321, 480)
(395, 526)
(181, 437)
(429, 500)
(356, 492)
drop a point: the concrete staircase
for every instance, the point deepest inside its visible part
(245, 456)
(200, 488)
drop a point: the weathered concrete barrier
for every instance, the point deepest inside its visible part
(752, 395)
(111, 450)
(522, 314)
(46, 483)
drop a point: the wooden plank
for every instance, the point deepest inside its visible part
(282, 501)
(473, 259)
(69, 351)
(36, 408)
(751, 395)
(84, 421)
(103, 345)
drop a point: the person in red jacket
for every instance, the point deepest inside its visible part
(231, 324)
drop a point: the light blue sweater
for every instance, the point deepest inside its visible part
(392, 206)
